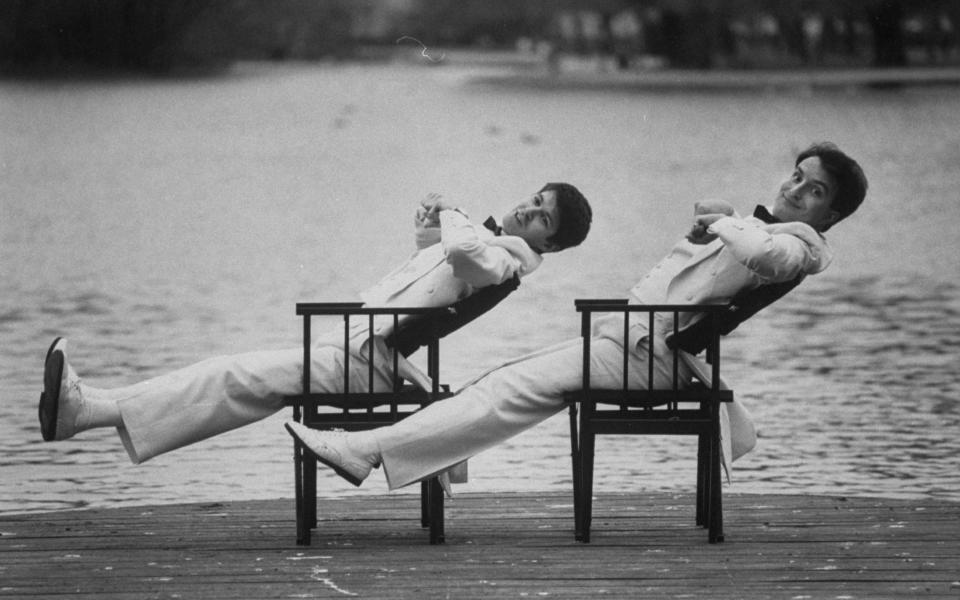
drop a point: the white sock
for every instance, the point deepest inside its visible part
(366, 443)
(98, 411)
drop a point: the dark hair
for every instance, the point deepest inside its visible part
(851, 182)
(575, 215)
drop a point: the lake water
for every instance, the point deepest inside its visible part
(155, 223)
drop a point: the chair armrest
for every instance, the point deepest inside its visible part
(358, 308)
(600, 304)
(621, 306)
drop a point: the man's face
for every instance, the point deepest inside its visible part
(806, 196)
(535, 219)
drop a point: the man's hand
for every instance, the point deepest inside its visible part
(709, 207)
(427, 221)
(705, 213)
(429, 212)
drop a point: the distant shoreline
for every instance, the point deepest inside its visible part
(513, 69)
(727, 79)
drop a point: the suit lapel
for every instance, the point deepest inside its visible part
(708, 251)
(416, 268)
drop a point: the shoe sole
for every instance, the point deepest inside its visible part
(336, 469)
(50, 397)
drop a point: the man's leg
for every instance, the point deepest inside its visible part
(208, 398)
(204, 399)
(224, 393)
(502, 404)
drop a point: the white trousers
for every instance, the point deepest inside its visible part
(505, 402)
(227, 392)
(223, 393)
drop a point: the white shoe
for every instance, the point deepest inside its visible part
(334, 449)
(61, 401)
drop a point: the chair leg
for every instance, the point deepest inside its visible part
(436, 511)
(703, 451)
(424, 504)
(310, 490)
(575, 461)
(715, 512)
(303, 530)
(587, 443)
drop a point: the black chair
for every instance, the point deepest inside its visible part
(360, 410)
(353, 411)
(690, 410)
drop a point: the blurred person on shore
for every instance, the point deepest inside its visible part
(946, 37)
(626, 33)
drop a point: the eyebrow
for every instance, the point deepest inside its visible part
(548, 215)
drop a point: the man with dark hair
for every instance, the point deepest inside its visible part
(723, 257)
(454, 259)
(837, 191)
(575, 215)
(850, 181)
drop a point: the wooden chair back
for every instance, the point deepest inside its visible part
(352, 410)
(359, 409)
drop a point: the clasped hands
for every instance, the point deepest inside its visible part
(705, 214)
(428, 213)
(427, 220)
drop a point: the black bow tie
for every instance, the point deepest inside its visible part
(491, 224)
(764, 215)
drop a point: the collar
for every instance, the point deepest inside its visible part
(491, 224)
(764, 215)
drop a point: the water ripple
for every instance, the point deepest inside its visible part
(851, 378)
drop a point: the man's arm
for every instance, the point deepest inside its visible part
(774, 257)
(698, 233)
(426, 223)
(474, 261)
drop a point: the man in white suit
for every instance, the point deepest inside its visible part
(454, 258)
(722, 257)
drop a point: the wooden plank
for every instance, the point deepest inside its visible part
(505, 545)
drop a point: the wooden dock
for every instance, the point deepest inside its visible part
(498, 546)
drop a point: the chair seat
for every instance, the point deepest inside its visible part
(650, 398)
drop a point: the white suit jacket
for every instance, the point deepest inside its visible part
(451, 262)
(465, 258)
(746, 254)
